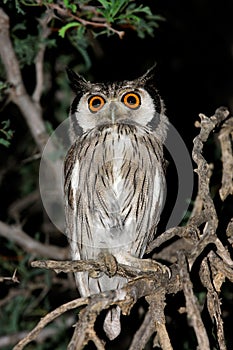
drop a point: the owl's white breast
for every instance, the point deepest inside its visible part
(120, 180)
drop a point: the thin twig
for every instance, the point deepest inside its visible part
(67, 13)
(13, 278)
(10, 340)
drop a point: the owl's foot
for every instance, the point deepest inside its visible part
(108, 266)
(153, 265)
(109, 262)
(147, 265)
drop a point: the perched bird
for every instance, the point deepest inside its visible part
(114, 176)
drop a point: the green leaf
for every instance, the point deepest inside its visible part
(104, 3)
(63, 30)
(4, 142)
(26, 49)
(19, 26)
(6, 124)
(6, 132)
(72, 7)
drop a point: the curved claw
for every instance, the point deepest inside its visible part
(161, 267)
(164, 269)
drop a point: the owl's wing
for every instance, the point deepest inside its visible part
(71, 176)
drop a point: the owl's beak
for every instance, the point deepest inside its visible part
(112, 109)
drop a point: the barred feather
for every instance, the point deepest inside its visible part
(115, 189)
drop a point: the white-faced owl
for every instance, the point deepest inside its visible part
(114, 176)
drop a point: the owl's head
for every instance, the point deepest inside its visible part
(127, 102)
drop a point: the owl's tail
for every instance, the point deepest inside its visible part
(112, 324)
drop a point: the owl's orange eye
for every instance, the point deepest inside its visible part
(95, 103)
(131, 100)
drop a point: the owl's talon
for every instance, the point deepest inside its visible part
(95, 274)
(109, 262)
(163, 268)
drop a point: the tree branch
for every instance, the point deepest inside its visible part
(31, 111)
(18, 236)
(225, 138)
(9, 340)
(49, 318)
(143, 334)
(39, 61)
(192, 306)
(213, 302)
(91, 266)
(98, 24)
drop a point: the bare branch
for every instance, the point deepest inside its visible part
(46, 333)
(13, 278)
(192, 306)
(163, 336)
(18, 236)
(124, 297)
(225, 138)
(49, 318)
(142, 336)
(156, 309)
(213, 303)
(203, 171)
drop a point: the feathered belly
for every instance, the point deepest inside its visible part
(118, 189)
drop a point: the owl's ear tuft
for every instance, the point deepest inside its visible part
(147, 81)
(77, 82)
(149, 77)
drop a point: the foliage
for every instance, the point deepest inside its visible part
(25, 48)
(75, 19)
(6, 133)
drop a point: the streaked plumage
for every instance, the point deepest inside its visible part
(114, 176)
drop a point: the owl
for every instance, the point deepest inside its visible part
(114, 184)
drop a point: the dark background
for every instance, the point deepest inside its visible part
(193, 49)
